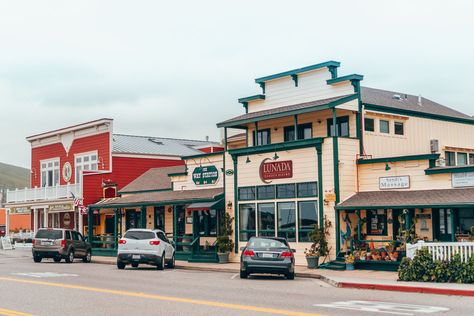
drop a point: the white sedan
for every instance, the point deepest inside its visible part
(145, 246)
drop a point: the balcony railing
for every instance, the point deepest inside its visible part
(44, 193)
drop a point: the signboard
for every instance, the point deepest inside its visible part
(67, 172)
(205, 175)
(330, 197)
(275, 170)
(6, 243)
(60, 208)
(461, 180)
(387, 183)
(20, 210)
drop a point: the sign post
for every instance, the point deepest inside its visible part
(205, 175)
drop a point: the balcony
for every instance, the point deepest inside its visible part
(44, 193)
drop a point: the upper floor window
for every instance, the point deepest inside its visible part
(266, 192)
(369, 124)
(399, 128)
(247, 193)
(305, 131)
(342, 125)
(50, 173)
(450, 158)
(384, 126)
(461, 159)
(471, 159)
(262, 138)
(85, 162)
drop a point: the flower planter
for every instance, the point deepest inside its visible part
(223, 257)
(313, 262)
(349, 266)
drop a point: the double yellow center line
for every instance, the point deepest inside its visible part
(248, 308)
(7, 312)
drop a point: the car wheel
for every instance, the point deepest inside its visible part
(171, 264)
(290, 276)
(37, 259)
(70, 257)
(135, 265)
(120, 265)
(161, 264)
(243, 275)
(57, 259)
(87, 258)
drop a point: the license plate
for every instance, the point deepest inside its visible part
(135, 257)
(267, 255)
(47, 243)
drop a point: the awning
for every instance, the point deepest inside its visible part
(205, 206)
(448, 198)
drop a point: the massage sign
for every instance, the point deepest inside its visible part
(271, 170)
(205, 175)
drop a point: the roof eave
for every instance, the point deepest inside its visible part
(330, 63)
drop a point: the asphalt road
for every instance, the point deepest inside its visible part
(49, 288)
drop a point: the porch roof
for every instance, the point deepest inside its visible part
(161, 198)
(410, 199)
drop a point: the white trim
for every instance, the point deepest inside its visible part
(53, 160)
(70, 129)
(123, 155)
(82, 155)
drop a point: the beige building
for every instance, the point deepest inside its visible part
(375, 162)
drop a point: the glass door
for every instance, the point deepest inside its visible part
(443, 224)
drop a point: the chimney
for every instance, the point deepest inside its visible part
(419, 100)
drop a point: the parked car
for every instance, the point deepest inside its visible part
(267, 255)
(145, 246)
(60, 244)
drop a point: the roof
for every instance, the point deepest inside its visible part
(162, 197)
(407, 199)
(153, 179)
(288, 110)
(129, 144)
(70, 128)
(408, 102)
(298, 71)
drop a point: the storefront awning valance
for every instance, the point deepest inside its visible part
(204, 206)
(448, 198)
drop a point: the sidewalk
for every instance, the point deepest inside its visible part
(357, 279)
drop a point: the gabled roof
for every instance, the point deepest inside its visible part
(129, 144)
(409, 103)
(155, 179)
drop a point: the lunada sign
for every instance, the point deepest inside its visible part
(275, 170)
(205, 175)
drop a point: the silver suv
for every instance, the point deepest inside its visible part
(60, 244)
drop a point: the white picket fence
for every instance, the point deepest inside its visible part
(443, 251)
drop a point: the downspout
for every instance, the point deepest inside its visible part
(320, 183)
(90, 226)
(236, 214)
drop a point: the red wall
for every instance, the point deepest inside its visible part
(125, 170)
(100, 142)
(208, 150)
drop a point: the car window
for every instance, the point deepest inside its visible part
(266, 243)
(139, 235)
(75, 236)
(49, 234)
(162, 236)
(68, 235)
(81, 237)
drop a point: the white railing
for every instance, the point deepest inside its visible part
(443, 251)
(23, 235)
(44, 193)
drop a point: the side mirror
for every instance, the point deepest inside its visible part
(86, 239)
(242, 248)
(293, 250)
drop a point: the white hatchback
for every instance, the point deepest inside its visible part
(145, 246)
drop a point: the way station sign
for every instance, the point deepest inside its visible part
(205, 175)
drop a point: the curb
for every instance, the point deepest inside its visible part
(404, 288)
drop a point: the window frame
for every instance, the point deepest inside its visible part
(339, 121)
(256, 136)
(385, 222)
(395, 128)
(380, 126)
(298, 195)
(306, 230)
(466, 155)
(446, 159)
(79, 173)
(258, 197)
(249, 199)
(247, 231)
(373, 124)
(300, 131)
(258, 228)
(283, 185)
(280, 231)
(53, 169)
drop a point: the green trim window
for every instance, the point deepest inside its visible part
(247, 194)
(307, 189)
(471, 159)
(377, 222)
(247, 227)
(159, 213)
(266, 192)
(263, 137)
(287, 220)
(399, 128)
(207, 223)
(466, 220)
(450, 158)
(384, 126)
(461, 159)
(266, 219)
(305, 131)
(307, 219)
(369, 124)
(342, 124)
(286, 191)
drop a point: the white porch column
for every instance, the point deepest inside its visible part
(35, 220)
(45, 217)
(7, 222)
(80, 227)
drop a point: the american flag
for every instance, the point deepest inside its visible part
(77, 201)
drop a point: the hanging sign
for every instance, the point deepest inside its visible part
(67, 172)
(205, 175)
(465, 179)
(20, 210)
(275, 170)
(60, 208)
(387, 183)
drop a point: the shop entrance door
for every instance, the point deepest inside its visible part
(396, 223)
(132, 219)
(442, 224)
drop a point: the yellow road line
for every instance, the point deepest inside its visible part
(164, 298)
(7, 312)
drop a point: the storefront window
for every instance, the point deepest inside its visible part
(450, 158)
(247, 221)
(287, 221)
(160, 218)
(369, 124)
(247, 193)
(207, 223)
(307, 219)
(307, 189)
(266, 219)
(266, 192)
(377, 222)
(384, 126)
(285, 191)
(466, 220)
(342, 124)
(399, 128)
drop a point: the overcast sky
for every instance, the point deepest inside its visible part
(176, 68)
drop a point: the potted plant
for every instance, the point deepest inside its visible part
(350, 259)
(224, 241)
(312, 257)
(319, 247)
